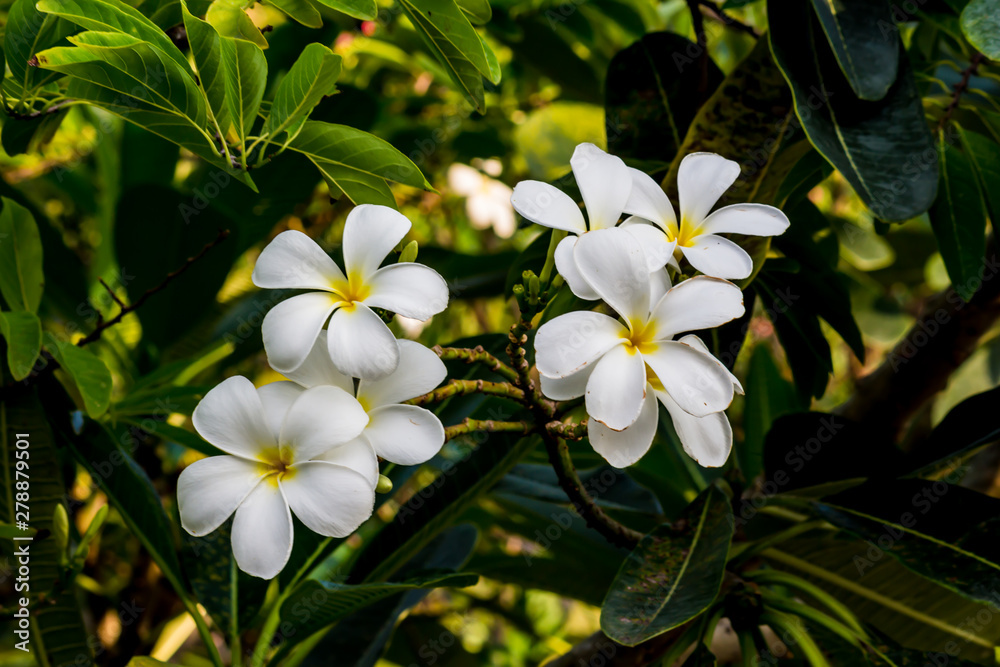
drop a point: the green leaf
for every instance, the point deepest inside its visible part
(968, 425)
(982, 154)
(862, 34)
(233, 74)
(23, 332)
(356, 161)
(228, 17)
(366, 10)
(958, 217)
(769, 395)
(649, 100)
(29, 31)
(57, 625)
(341, 600)
(868, 142)
(21, 277)
(981, 26)
(673, 575)
(301, 11)
(311, 78)
(117, 17)
(478, 12)
(453, 50)
(89, 373)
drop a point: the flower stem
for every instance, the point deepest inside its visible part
(472, 425)
(550, 258)
(477, 355)
(466, 387)
(570, 431)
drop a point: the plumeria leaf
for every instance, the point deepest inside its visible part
(21, 277)
(968, 425)
(611, 487)
(451, 26)
(478, 12)
(672, 575)
(89, 373)
(311, 78)
(866, 141)
(982, 154)
(301, 11)
(61, 633)
(981, 26)
(856, 31)
(117, 17)
(233, 74)
(769, 395)
(366, 10)
(22, 330)
(228, 17)
(341, 600)
(648, 100)
(27, 32)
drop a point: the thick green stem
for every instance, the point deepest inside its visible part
(472, 425)
(477, 355)
(466, 387)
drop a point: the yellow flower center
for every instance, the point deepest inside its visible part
(687, 234)
(641, 339)
(353, 290)
(274, 466)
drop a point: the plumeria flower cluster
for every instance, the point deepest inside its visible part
(310, 445)
(622, 366)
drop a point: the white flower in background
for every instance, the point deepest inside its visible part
(487, 201)
(359, 342)
(274, 437)
(620, 367)
(701, 180)
(403, 434)
(605, 184)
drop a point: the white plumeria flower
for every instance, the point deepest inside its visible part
(614, 365)
(701, 181)
(487, 201)
(275, 437)
(403, 434)
(359, 342)
(605, 184)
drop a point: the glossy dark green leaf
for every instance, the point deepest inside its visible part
(311, 78)
(768, 396)
(651, 96)
(328, 602)
(22, 330)
(58, 627)
(673, 575)
(27, 32)
(366, 10)
(862, 35)
(228, 17)
(970, 424)
(21, 277)
(981, 26)
(611, 487)
(233, 74)
(450, 25)
(983, 154)
(301, 11)
(868, 142)
(958, 217)
(479, 12)
(89, 373)
(117, 17)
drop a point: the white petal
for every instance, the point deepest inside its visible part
(567, 268)
(318, 368)
(749, 219)
(405, 434)
(412, 290)
(708, 440)
(290, 328)
(623, 448)
(360, 344)
(655, 246)
(659, 284)
(697, 343)
(605, 184)
(262, 531)
(697, 303)
(328, 498)
(696, 381)
(547, 206)
(701, 180)
(567, 388)
(464, 180)
(294, 260)
(358, 454)
(616, 388)
(650, 202)
(566, 344)
(370, 234)
(719, 257)
(419, 371)
(231, 417)
(276, 398)
(210, 490)
(613, 262)
(319, 420)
